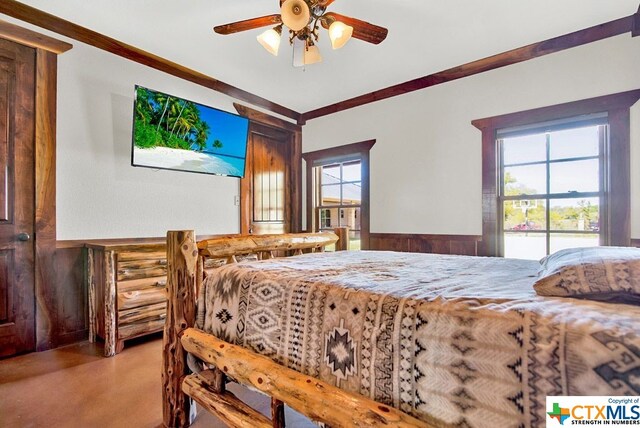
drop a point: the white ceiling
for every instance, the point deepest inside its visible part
(425, 36)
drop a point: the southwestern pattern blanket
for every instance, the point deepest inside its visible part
(463, 339)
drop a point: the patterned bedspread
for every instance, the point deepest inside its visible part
(464, 339)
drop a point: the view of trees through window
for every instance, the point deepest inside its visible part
(339, 198)
(551, 190)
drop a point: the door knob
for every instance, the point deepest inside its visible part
(23, 236)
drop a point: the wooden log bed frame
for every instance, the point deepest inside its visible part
(314, 398)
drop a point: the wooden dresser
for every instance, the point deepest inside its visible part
(127, 291)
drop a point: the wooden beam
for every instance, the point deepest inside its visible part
(265, 119)
(66, 28)
(182, 257)
(31, 38)
(535, 50)
(312, 397)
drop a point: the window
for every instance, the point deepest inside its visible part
(338, 191)
(325, 219)
(338, 188)
(556, 177)
(551, 187)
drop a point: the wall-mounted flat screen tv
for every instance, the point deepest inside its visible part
(173, 133)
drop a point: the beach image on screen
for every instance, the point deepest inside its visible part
(173, 133)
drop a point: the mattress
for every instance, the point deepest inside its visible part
(463, 339)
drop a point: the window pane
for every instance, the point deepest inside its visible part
(560, 241)
(524, 215)
(578, 176)
(530, 148)
(330, 194)
(525, 180)
(351, 194)
(331, 174)
(521, 245)
(575, 214)
(351, 171)
(573, 143)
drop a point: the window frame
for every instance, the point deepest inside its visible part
(340, 206)
(616, 174)
(349, 152)
(548, 196)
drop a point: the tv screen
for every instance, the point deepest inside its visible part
(173, 133)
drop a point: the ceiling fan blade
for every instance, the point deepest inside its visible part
(248, 24)
(361, 30)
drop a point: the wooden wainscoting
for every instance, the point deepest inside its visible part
(70, 321)
(419, 243)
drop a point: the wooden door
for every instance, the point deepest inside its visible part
(17, 198)
(266, 189)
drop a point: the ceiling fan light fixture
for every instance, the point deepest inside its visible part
(270, 40)
(295, 14)
(339, 33)
(312, 55)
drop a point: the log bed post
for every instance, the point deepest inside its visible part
(343, 238)
(182, 256)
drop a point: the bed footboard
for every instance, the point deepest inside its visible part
(314, 398)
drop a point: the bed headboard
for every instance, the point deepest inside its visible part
(261, 244)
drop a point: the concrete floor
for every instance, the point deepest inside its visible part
(75, 386)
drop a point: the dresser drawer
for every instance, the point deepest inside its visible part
(141, 254)
(142, 283)
(137, 298)
(135, 269)
(140, 320)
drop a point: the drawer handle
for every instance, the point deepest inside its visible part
(162, 262)
(161, 283)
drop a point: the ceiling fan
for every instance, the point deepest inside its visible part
(303, 19)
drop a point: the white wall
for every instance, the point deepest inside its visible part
(99, 193)
(426, 165)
